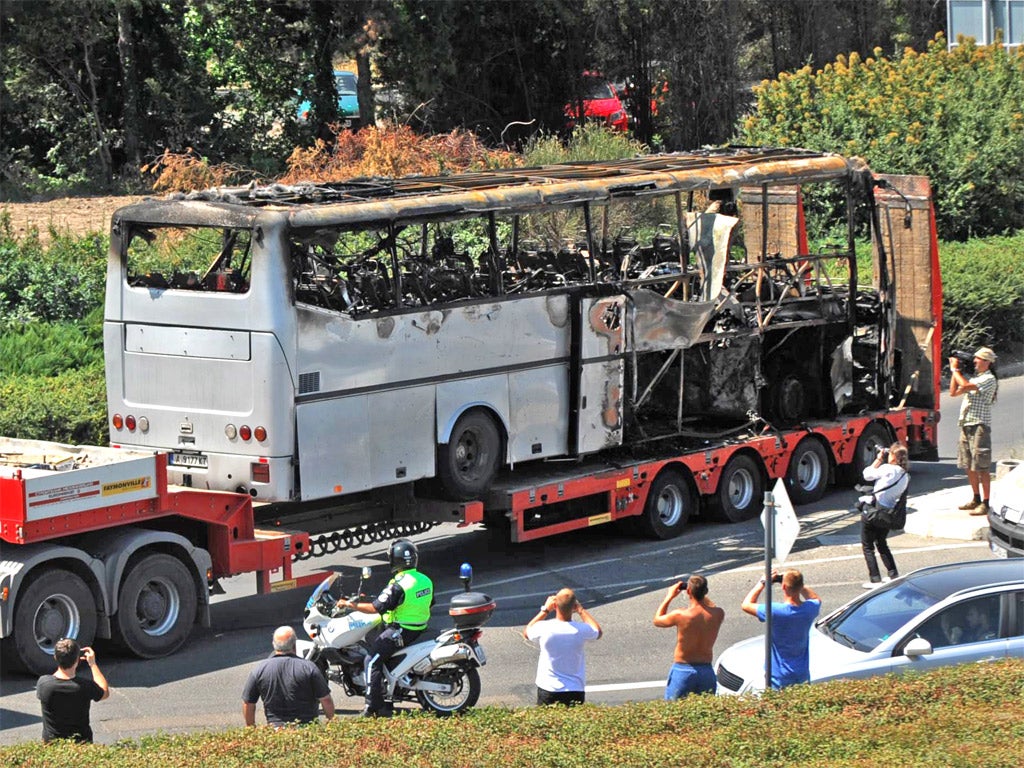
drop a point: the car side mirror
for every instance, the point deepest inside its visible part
(918, 647)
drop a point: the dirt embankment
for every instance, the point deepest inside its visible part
(66, 215)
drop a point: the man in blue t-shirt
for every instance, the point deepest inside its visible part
(791, 626)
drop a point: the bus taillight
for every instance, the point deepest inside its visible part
(260, 472)
(129, 422)
(118, 422)
(260, 433)
(244, 432)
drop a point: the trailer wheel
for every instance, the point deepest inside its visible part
(741, 489)
(873, 437)
(807, 476)
(670, 502)
(156, 607)
(54, 605)
(469, 461)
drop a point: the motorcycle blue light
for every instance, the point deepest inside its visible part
(466, 571)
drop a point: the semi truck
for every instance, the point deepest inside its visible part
(292, 371)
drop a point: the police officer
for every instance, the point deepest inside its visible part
(404, 606)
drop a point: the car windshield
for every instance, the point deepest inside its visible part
(594, 88)
(346, 82)
(866, 623)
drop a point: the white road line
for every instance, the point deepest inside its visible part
(624, 686)
(612, 587)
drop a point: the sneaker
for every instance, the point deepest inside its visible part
(886, 579)
(981, 509)
(871, 584)
(972, 504)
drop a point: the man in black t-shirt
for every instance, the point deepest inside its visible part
(66, 698)
(289, 686)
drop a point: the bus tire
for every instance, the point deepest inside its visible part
(468, 462)
(807, 476)
(873, 437)
(55, 604)
(741, 489)
(670, 502)
(156, 607)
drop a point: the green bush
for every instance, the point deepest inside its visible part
(966, 716)
(588, 142)
(983, 292)
(70, 407)
(954, 116)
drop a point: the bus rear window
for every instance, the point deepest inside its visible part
(189, 258)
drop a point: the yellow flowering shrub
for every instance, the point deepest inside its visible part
(954, 116)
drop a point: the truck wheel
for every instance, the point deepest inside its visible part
(670, 502)
(807, 476)
(156, 607)
(873, 437)
(469, 461)
(741, 489)
(464, 693)
(54, 605)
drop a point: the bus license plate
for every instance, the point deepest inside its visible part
(194, 460)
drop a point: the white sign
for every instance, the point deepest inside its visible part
(787, 527)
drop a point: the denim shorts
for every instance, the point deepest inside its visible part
(684, 679)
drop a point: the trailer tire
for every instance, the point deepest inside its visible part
(807, 476)
(156, 607)
(873, 437)
(670, 502)
(740, 490)
(468, 462)
(55, 604)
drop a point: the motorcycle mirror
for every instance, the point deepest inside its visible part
(366, 572)
(466, 574)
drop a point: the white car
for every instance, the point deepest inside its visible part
(937, 616)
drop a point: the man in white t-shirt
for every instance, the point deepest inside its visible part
(561, 676)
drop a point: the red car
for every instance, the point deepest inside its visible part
(600, 102)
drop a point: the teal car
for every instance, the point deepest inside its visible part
(348, 100)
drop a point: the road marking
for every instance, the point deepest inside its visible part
(624, 686)
(618, 586)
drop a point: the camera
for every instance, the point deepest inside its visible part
(966, 360)
(883, 455)
(777, 578)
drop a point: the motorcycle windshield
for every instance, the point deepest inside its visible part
(322, 587)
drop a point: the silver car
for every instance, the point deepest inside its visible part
(937, 616)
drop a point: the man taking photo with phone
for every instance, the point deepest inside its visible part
(66, 697)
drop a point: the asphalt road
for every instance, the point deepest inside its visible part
(619, 578)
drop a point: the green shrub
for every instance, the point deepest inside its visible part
(70, 407)
(954, 116)
(964, 716)
(983, 292)
(588, 142)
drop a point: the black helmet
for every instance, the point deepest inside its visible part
(403, 555)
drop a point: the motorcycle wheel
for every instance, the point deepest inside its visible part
(465, 684)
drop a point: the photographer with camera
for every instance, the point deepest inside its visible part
(66, 697)
(975, 450)
(889, 473)
(791, 625)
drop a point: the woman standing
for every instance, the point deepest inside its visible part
(890, 475)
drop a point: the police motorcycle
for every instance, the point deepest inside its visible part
(441, 674)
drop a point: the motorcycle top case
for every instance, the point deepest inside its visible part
(471, 609)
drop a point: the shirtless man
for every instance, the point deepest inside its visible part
(696, 631)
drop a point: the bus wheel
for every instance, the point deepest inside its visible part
(156, 607)
(807, 476)
(873, 437)
(469, 461)
(670, 502)
(56, 604)
(741, 489)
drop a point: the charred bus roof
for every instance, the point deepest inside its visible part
(420, 197)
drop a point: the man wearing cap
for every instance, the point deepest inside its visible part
(975, 451)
